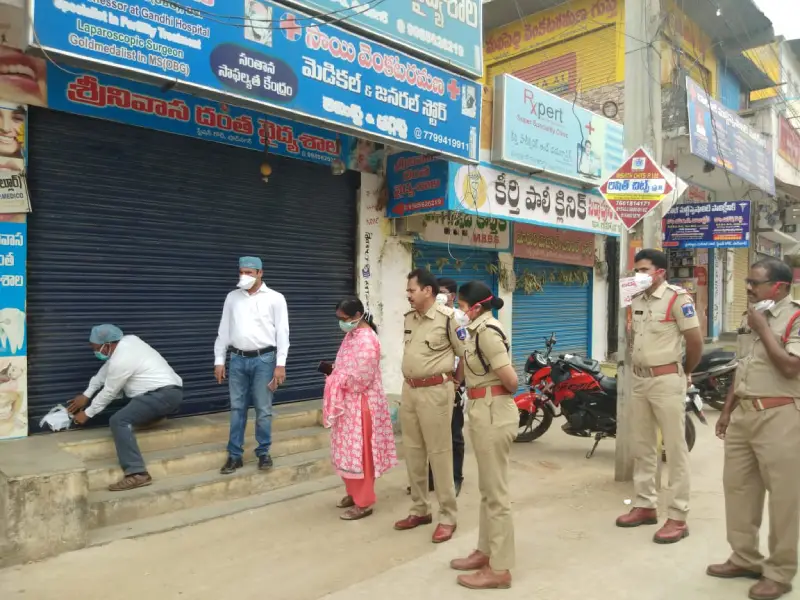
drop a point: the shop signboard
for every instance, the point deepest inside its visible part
(788, 142)
(461, 229)
(768, 247)
(554, 245)
(721, 137)
(417, 183)
(302, 67)
(449, 32)
(14, 197)
(637, 187)
(708, 225)
(115, 99)
(491, 192)
(536, 131)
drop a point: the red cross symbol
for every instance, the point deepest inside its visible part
(290, 28)
(590, 128)
(672, 165)
(453, 89)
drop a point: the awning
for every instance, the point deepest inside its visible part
(740, 25)
(747, 72)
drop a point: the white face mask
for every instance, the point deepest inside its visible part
(462, 319)
(246, 282)
(643, 281)
(764, 305)
(441, 299)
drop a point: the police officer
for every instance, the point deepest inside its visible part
(431, 341)
(663, 317)
(760, 424)
(493, 422)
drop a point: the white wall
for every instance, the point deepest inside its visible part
(600, 284)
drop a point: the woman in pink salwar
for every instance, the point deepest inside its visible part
(355, 409)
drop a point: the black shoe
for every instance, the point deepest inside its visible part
(231, 465)
(264, 462)
(458, 487)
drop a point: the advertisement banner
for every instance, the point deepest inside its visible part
(115, 99)
(447, 32)
(709, 225)
(460, 229)
(627, 290)
(417, 184)
(13, 249)
(301, 67)
(721, 137)
(491, 192)
(554, 245)
(788, 142)
(535, 131)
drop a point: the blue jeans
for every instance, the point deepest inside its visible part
(248, 379)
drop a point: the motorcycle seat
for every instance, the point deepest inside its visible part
(714, 358)
(609, 385)
(585, 364)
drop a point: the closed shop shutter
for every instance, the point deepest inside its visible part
(561, 307)
(144, 229)
(461, 264)
(741, 267)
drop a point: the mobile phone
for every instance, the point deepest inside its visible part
(325, 367)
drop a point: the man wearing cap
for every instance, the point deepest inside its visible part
(133, 367)
(255, 328)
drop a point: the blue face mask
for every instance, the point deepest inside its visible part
(348, 326)
(100, 355)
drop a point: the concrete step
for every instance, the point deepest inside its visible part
(197, 458)
(183, 492)
(97, 444)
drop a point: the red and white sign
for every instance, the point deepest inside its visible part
(637, 187)
(627, 290)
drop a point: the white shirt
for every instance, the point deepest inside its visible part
(252, 322)
(135, 368)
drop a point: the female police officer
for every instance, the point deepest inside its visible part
(493, 421)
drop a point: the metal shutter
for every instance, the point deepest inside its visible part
(741, 268)
(461, 264)
(143, 229)
(565, 308)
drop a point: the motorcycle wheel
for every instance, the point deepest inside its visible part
(533, 428)
(691, 437)
(717, 398)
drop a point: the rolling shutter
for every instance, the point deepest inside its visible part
(459, 263)
(143, 229)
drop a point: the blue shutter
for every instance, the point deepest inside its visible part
(560, 307)
(461, 264)
(144, 229)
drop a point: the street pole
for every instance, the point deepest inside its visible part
(642, 121)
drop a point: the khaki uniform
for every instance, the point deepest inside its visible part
(762, 453)
(493, 424)
(658, 400)
(431, 345)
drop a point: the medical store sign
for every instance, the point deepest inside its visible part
(446, 31)
(708, 225)
(536, 131)
(264, 54)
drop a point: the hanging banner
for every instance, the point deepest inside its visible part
(302, 67)
(458, 229)
(554, 245)
(709, 225)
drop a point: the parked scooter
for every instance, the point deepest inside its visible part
(714, 376)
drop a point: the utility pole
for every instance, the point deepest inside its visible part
(642, 121)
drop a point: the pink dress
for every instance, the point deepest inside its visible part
(356, 410)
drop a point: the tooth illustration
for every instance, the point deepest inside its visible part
(12, 329)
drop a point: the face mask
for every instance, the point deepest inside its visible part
(441, 299)
(462, 319)
(764, 305)
(246, 282)
(100, 356)
(643, 281)
(348, 326)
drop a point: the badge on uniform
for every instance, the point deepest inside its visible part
(461, 333)
(688, 310)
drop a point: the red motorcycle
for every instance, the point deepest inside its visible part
(575, 388)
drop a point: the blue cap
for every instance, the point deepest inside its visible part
(105, 334)
(250, 262)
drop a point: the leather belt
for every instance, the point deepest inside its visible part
(480, 392)
(760, 404)
(252, 353)
(427, 381)
(658, 371)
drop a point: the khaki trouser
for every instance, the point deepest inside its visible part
(425, 415)
(493, 425)
(658, 403)
(762, 453)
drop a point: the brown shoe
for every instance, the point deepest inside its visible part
(672, 531)
(486, 579)
(638, 516)
(767, 589)
(728, 570)
(412, 521)
(131, 482)
(476, 560)
(443, 533)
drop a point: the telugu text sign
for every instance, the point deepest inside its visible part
(417, 184)
(788, 142)
(491, 192)
(708, 225)
(554, 245)
(300, 67)
(535, 131)
(460, 229)
(13, 251)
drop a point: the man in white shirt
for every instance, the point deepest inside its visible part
(134, 368)
(255, 328)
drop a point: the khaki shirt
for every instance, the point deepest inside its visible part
(657, 339)
(756, 376)
(493, 350)
(430, 347)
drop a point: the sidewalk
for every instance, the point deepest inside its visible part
(568, 547)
